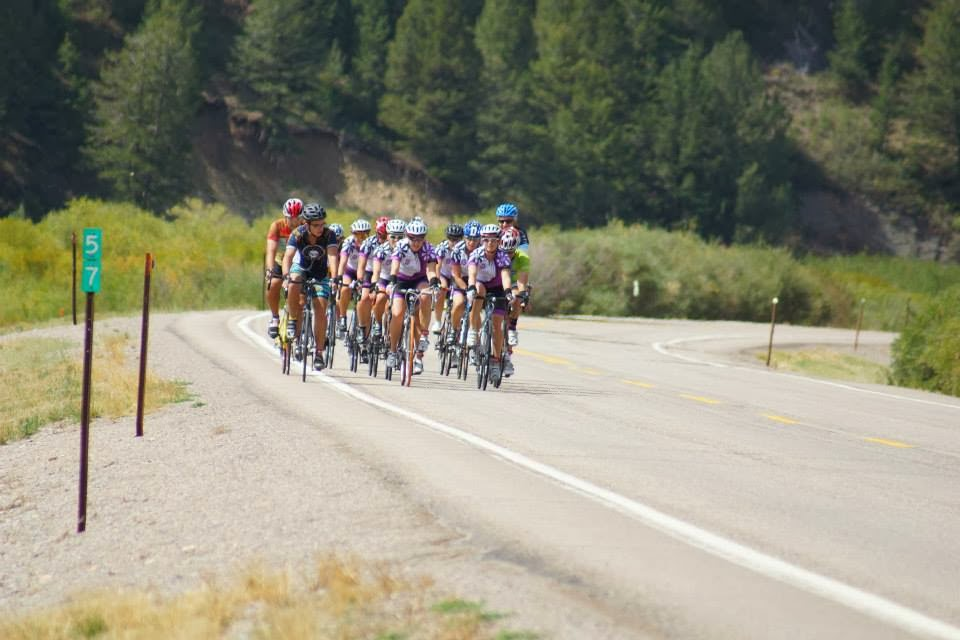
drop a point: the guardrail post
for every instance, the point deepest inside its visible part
(856, 337)
(73, 241)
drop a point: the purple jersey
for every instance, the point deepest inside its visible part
(413, 264)
(350, 251)
(488, 271)
(367, 248)
(445, 258)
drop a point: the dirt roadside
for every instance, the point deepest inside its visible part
(228, 479)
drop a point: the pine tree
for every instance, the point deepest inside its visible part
(937, 98)
(883, 107)
(848, 59)
(509, 159)
(431, 88)
(145, 100)
(375, 22)
(288, 61)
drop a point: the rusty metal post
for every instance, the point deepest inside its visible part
(85, 414)
(773, 322)
(144, 329)
(73, 241)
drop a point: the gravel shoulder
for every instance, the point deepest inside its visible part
(232, 478)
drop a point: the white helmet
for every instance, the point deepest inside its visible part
(509, 239)
(417, 228)
(360, 225)
(490, 230)
(396, 226)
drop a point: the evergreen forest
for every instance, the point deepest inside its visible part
(712, 116)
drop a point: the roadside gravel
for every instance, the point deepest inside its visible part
(230, 478)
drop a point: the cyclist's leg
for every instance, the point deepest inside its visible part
(273, 290)
(363, 308)
(293, 298)
(475, 312)
(459, 305)
(423, 316)
(398, 308)
(344, 302)
(441, 304)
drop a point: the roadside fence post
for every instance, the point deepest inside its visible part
(73, 241)
(856, 337)
(773, 322)
(149, 264)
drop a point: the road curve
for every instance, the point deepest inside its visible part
(683, 487)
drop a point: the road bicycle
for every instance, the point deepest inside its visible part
(484, 347)
(353, 341)
(409, 336)
(330, 345)
(282, 341)
(306, 341)
(446, 339)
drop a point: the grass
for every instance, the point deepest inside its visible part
(336, 598)
(41, 378)
(827, 363)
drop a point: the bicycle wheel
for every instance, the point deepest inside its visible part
(463, 352)
(306, 332)
(402, 350)
(373, 356)
(487, 341)
(353, 342)
(331, 337)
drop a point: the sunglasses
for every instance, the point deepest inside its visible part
(504, 221)
(417, 238)
(395, 236)
(491, 239)
(315, 224)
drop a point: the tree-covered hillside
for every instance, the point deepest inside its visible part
(678, 114)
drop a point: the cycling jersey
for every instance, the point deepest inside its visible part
(488, 271)
(413, 264)
(445, 254)
(519, 264)
(312, 256)
(369, 246)
(350, 251)
(280, 230)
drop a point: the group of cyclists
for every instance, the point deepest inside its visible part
(378, 264)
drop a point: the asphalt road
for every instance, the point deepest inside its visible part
(684, 488)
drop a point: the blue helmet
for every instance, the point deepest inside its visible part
(507, 210)
(471, 229)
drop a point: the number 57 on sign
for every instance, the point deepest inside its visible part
(92, 252)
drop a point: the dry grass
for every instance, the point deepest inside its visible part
(338, 599)
(827, 363)
(41, 378)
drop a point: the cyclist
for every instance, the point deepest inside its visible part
(413, 266)
(311, 253)
(458, 269)
(444, 260)
(507, 214)
(365, 275)
(277, 235)
(347, 276)
(381, 277)
(519, 276)
(488, 271)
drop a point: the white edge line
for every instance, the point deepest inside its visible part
(867, 603)
(661, 347)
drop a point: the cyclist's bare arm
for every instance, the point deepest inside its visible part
(333, 261)
(505, 278)
(287, 261)
(457, 277)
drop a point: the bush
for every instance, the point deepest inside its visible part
(927, 353)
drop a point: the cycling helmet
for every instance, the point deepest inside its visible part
(396, 226)
(313, 212)
(472, 229)
(490, 230)
(293, 207)
(416, 228)
(509, 239)
(455, 230)
(337, 229)
(382, 225)
(416, 219)
(360, 226)
(507, 210)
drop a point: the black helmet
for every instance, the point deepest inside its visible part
(313, 211)
(455, 230)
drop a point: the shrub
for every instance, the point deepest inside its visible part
(927, 353)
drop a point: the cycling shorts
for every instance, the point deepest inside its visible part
(323, 286)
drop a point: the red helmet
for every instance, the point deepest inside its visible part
(293, 207)
(382, 225)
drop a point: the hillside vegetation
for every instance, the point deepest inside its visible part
(720, 117)
(208, 257)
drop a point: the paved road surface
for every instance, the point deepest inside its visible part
(662, 469)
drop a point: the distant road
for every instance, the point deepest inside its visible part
(680, 485)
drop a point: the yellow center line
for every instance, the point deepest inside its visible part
(637, 383)
(592, 372)
(544, 357)
(781, 419)
(700, 399)
(891, 443)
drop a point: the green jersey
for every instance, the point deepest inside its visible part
(519, 264)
